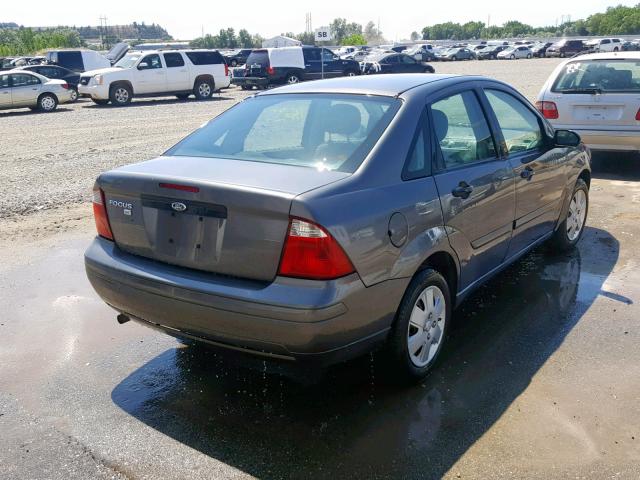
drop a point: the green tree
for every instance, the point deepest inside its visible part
(245, 39)
(354, 39)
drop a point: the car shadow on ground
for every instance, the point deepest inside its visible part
(144, 102)
(26, 111)
(616, 166)
(354, 423)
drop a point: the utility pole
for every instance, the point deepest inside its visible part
(103, 30)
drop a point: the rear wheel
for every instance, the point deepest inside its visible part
(570, 230)
(420, 327)
(120, 95)
(292, 78)
(47, 102)
(203, 89)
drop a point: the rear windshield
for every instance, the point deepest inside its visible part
(205, 58)
(595, 76)
(261, 57)
(325, 132)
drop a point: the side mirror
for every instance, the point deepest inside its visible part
(566, 138)
(143, 65)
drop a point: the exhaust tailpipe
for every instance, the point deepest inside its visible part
(122, 318)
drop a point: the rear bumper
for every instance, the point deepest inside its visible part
(250, 81)
(606, 140)
(288, 318)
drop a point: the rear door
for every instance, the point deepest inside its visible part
(409, 64)
(177, 72)
(476, 185)
(151, 76)
(5, 92)
(312, 63)
(540, 177)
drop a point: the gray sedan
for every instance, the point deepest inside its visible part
(20, 89)
(317, 221)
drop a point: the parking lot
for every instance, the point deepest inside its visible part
(540, 380)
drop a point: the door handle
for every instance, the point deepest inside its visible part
(527, 173)
(463, 190)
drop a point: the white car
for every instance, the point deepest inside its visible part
(157, 73)
(21, 89)
(517, 51)
(598, 96)
(605, 45)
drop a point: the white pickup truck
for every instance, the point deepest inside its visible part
(157, 73)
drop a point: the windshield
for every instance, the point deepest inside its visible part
(128, 61)
(596, 76)
(326, 132)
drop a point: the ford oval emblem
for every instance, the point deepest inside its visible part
(178, 206)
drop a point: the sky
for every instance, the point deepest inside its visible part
(192, 17)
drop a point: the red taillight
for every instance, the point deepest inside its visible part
(182, 188)
(65, 86)
(548, 109)
(100, 214)
(226, 70)
(638, 115)
(311, 252)
(271, 70)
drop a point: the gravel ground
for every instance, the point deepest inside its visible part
(50, 161)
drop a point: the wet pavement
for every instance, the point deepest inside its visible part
(540, 379)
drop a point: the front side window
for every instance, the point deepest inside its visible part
(322, 131)
(407, 59)
(519, 125)
(128, 61)
(461, 130)
(327, 55)
(599, 76)
(152, 61)
(173, 60)
(311, 54)
(23, 80)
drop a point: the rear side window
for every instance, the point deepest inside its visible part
(321, 131)
(4, 81)
(599, 75)
(418, 163)
(461, 130)
(519, 125)
(23, 80)
(71, 60)
(205, 58)
(311, 54)
(260, 57)
(173, 60)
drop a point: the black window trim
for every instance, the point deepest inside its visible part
(422, 127)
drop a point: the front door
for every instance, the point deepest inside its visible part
(332, 64)
(25, 89)
(312, 63)
(177, 73)
(476, 185)
(5, 92)
(540, 175)
(151, 76)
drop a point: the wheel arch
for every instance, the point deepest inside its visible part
(206, 77)
(586, 176)
(126, 83)
(47, 93)
(444, 263)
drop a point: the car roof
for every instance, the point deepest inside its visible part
(607, 56)
(29, 72)
(386, 85)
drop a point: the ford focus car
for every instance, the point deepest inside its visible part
(315, 222)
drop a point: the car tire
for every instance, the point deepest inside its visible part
(615, 49)
(428, 70)
(512, 57)
(47, 102)
(203, 89)
(182, 96)
(74, 95)
(454, 58)
(246, 87)
(561, 54)
(570, 230)
(350, 73)
(528, 56)
(292, 78)
(120, 95)
(100, 101)
(411, 350)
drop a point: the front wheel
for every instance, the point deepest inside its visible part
(47, 102)
(420, 328)
(570, 230)
(120, 95)
(512, 57)
(292, 78)
(528, 55)
(454, 58)
(351, 73)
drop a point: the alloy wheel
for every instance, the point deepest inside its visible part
(577, 215)
(426, 326)
(204, 90)
(121, 95)
(47, 103)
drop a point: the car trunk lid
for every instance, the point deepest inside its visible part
(597, 109)
(223, 216)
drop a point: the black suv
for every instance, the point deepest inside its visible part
(565, 48)
(273, 66)
(238, 57)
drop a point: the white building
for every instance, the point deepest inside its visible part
(281, 41)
